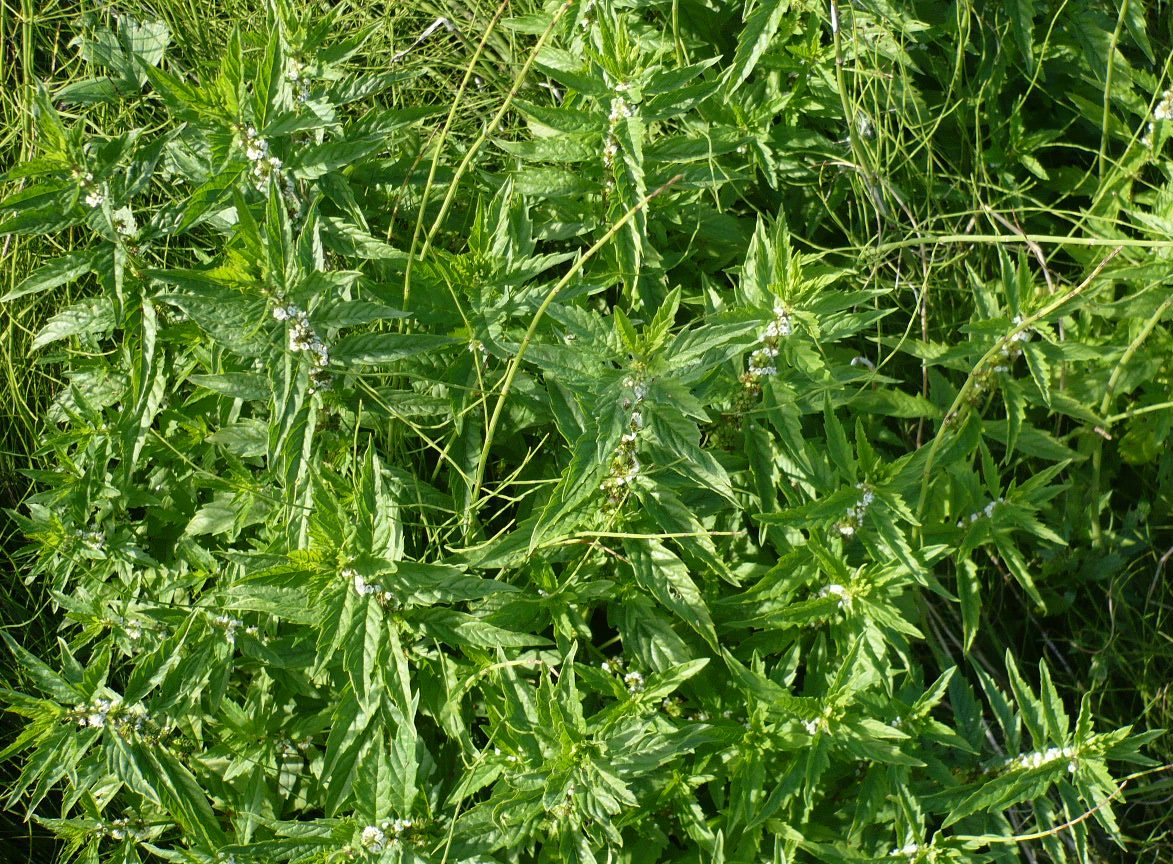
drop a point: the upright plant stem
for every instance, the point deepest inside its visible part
(515, 363)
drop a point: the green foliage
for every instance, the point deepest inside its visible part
(627, 517)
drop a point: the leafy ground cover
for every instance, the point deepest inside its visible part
(603, 431)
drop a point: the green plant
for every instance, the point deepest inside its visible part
(599, 517)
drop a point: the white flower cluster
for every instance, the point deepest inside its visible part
(231, 625)
(1013, 348)
(1039, 758)
(849, 524)
(510, 758)
(1163, 111)
(835, 590)
(476, 346)
(908, 850)
(133, 630)
(256, 150)
(762, 362)
(986, 512)
(295, 75)
(95, 197)
(634, 681)
(96, 713)
(625, 464)
(102, 713)
(621, 109)
(266, 165)
(124, 829)
(95, 540)
(367, 589)
(303, 338)
(673, 706)
(376, 838)
(819, 724)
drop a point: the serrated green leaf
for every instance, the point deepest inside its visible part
(665, 577)
(371, 348)
(761, 27)
(60, 271)
(86, 318)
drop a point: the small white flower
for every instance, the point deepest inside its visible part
(230, 625)
(373, 838)
(361, 586)
(634, 681)
(1164, 109)
(1022, 335)
(839, 591)
(95, 199)
(986, 512)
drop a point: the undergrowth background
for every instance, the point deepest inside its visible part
(931, 214)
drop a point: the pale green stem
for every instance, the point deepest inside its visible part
(419, 222)
(472, 151)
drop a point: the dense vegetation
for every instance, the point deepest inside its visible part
(595, 431)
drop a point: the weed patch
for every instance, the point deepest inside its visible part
(591, 432)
